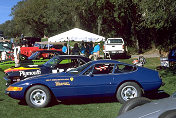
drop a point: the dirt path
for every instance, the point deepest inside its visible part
(150, 54)
(146, 55)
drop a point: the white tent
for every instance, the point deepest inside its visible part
(76, 35)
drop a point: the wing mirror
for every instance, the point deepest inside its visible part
(90, 74)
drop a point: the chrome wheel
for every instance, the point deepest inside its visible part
(129, 92)
(38, 97)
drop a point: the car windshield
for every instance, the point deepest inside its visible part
(52, 62)
(34, 55)
(79, 69)
(115, 41)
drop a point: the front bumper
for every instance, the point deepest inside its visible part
(15, 94)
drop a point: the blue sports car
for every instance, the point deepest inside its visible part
(95, 78)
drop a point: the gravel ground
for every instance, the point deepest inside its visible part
(146, 55)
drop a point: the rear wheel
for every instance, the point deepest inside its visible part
(132, 103)
(127, 91)
(38, 96)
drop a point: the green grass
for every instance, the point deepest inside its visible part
(12, 108)
(80, 109)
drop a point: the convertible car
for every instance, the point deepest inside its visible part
(95, 78)
(56, 64)
(144, 108)
(37, 58)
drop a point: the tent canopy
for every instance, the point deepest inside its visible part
(76, 35)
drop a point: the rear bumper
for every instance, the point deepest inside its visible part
(150, 86)
(114, 52)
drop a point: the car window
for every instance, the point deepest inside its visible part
(79, 69)
(68, 64)
(65, 61)
(115, 41)
(103, 68)
(88, 71)
(34, 55)
(120, 68)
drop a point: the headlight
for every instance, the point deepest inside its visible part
(16, 79)
(12, 88)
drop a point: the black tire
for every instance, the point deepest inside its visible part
(168, 114)
(132, 103)
(127, 91)
(105, 57)
(38, 96)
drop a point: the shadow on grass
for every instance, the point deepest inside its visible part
(22, 102)
(79, 101)
(1, 100)
(157, 95)
(93, 100)
(53, 103)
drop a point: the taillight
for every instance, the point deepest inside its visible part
(122, 46)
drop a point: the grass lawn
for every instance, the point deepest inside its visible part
(85, 108)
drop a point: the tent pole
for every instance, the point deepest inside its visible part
(68, 45)
(48, 45)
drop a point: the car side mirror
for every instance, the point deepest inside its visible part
(90, 74)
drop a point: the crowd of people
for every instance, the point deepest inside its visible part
(88, 49)
(5, 55)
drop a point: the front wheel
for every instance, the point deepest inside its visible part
(133, 103)
(38, 96)
(127, 91)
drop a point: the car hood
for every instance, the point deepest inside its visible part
(153, 109)
(48, 76)
(14, 69)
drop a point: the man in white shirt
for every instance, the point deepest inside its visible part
(3, 56)
(17, 55)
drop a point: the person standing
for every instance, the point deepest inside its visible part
(17, 55)
(76, 49)
(91, 48)
(96, 52)
(82, 50)
(3, 56)
(64, 48)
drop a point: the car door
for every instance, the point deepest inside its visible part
(97, 80)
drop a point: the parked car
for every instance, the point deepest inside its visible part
(37, 58)
(114, 46)
(38, 46)
(95, 78)
(58, 63)
(144, 108)
(170, 60)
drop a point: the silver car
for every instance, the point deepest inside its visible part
(143, 108)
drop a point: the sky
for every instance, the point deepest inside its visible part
(5, 9)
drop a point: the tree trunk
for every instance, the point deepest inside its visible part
(99, 24)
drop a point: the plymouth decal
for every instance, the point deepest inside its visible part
(25, 74)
